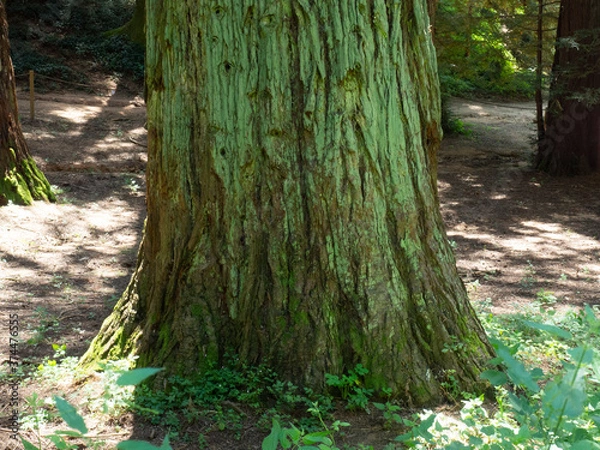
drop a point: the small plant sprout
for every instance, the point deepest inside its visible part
(350, 387)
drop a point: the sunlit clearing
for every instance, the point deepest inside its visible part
(80, 114)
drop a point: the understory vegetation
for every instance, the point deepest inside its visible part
(546, 379)
(48, 37)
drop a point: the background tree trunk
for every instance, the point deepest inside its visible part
(292, 206)
(571, 141)
(21, 182)
(135, 28)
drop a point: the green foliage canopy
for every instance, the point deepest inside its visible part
(489, 47)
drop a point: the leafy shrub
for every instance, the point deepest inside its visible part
(25, 58)
(115, 53)
(535, 409)
(87, 16)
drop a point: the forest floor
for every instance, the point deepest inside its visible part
(519, 236)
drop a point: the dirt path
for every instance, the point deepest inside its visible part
(520, 236)
(63, 265)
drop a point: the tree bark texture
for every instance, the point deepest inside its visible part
(571, 141)
(21, 182)
(292, 206)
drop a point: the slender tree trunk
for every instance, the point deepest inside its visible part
(21, 182)
(571, 142)
(539, 100)
(292, 207)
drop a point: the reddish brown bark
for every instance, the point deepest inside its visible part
(571, 141)
(20, 180)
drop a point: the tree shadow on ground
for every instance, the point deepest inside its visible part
(517, 232)
(70, 261)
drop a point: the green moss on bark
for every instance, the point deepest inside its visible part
(22, 185)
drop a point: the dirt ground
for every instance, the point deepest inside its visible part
(518, 234)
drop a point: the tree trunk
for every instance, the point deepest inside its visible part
(292, 206)
(135, 29)
(539, 72)
(21, 182)
(571, 141)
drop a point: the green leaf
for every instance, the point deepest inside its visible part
(475, 441)
(591, 319)
(517, 371)
(60, 443)
(563, 398)
(136, 376)
(316, 438)
(581, 355)
(488, 430)
(70, 415)
(521, 405)
(143, 445)
(495, 377)
(271, 441)
(585, 445)
(28, 445)
(293, 433)
(457, 446)
(551, 329)
(165, 444)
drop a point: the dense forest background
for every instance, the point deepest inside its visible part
(485, 48)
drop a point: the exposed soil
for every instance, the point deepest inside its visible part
(518, 234)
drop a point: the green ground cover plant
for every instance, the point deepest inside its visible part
(546, 379)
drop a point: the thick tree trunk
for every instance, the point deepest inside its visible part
(571, 141)
(292, 206)
(21, 182)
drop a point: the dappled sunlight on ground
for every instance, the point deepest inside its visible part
(63, 265)
(516, 232)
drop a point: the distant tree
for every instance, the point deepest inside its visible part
(292, 207)
(570, 143)
(135, 28)
(21, 182)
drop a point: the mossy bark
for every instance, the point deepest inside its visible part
(570, 142)
(292, 207)
(21, 182)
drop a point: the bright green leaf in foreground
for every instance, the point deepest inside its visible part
(136, 376)
(70, 415)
